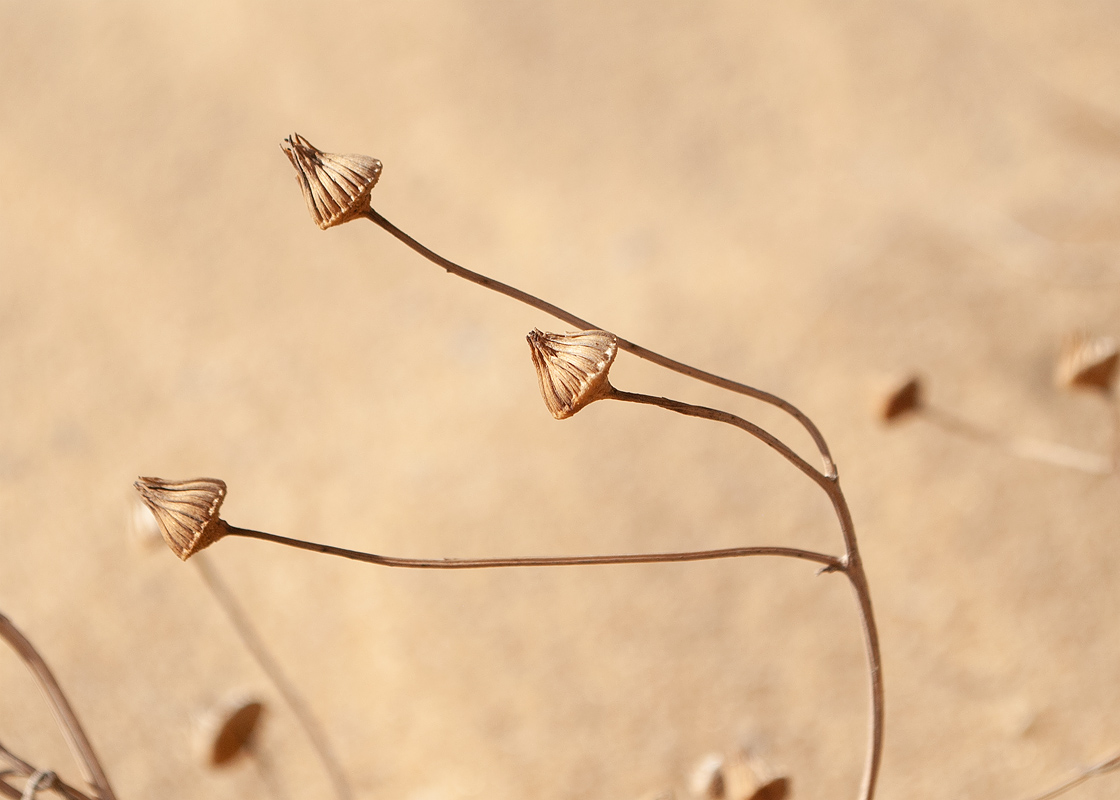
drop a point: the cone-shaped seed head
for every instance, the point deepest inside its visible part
(572, 368)
(904, 397)
(335, 187)
(1088, 362)
(187, 511)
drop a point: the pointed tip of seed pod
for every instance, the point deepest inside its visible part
(1088, 362)
(903, 397)
(572, 368)
(226, 730)
(335, 187)
(186, 511)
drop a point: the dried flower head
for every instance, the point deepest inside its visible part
(186, 511)
(1088, 362)
(572, 368)
(225, 730)
(903, 397)
(335, 187)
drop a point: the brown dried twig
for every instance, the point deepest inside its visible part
(271, 667)
(64, 715)
(337, 189)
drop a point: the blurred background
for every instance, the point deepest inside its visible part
(806, 197)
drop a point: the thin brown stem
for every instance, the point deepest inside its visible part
(853, 564)
(624, 344)
(64, 715)
(1110, 764)
(271, 667)
(831, 563)
(731, 419)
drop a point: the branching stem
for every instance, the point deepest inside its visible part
(64, 715)
(623, 344)
(852, 564)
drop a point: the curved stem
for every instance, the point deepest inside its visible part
(716, 415)
(628, 346)
(852, 563)
(858, 579)
(832, 563)
(64, 715)
(253, 642)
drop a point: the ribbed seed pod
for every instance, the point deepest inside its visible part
(1088, 362)
(572, 368)
(186, 511)
(335, 187)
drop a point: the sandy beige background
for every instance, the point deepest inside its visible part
(808, 196)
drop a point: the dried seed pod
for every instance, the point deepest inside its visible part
(572, 368)
(186, 511)
(1088, 362)
(904, 397)
(226, 730)
(335, 187)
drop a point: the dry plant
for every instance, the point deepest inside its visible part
(1087, 364)
(36, 779)
(146, 527)
(572, 370)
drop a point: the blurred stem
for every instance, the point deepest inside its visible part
(1110, 764)
(1058, 455)
(271, 667)
(26, 771)
(64, 715)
